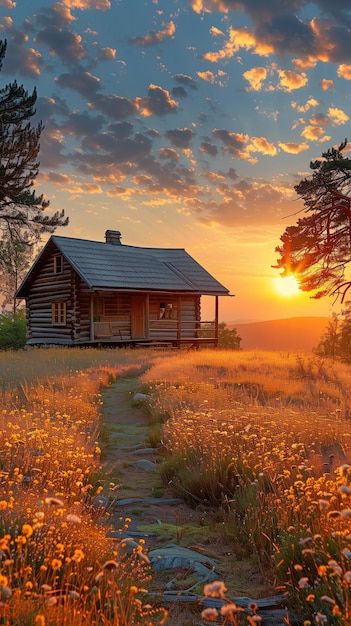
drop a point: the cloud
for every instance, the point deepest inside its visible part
(245, 203)
(209, 148)
(239, 38)
(292, 147)
(344, 71)
(158, 102)
(100, 5)
(338, 116)
(180, 137)
(168, 154)
(83, 82)
(313, 133)
(155, 37)
(63, 43)
(290, 80)
(326, 84)
(208, 76)
(116, 107)
(303, 108)
(18, 59)
(262, 145)
(255, 77)
(108, 54)
(8, 4)
(234, 143)
(185, 80)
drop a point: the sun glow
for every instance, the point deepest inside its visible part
(287, 286)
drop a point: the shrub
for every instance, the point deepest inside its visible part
(13, 330)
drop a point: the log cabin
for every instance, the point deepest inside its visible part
(81, 293)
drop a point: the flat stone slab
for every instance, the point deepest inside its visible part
(146, 465)
(159, 501)
(173, 556)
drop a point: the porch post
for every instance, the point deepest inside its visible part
(179, 325)
(92, 318)
(147, 316)
(216, 322)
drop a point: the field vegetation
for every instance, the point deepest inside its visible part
(259, 442)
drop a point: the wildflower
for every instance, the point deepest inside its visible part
(303, 582)
(56, 564)
(78, 555)
(73, 594)
(210, 614)
(322, 570)
(39, 620)
(3, 581)
(216, 589)
(3, 505)
(346, 552)
(310, 597)
(27, 530)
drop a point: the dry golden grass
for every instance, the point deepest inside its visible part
(260, 440)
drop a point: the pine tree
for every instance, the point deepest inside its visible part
(317, 250)
(22, 211)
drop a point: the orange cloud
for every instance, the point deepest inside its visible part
(312, 133)
(290, 80)
(326, 84)
(255, 77)
(293, 148)
(239, 38)
(100, 5)
(260, 144)
(302, 108)
(215, 31)
(208, 76)
(344, 71)
(337, 116)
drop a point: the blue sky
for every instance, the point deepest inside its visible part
(186, 123)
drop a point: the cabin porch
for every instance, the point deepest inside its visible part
(151, 320)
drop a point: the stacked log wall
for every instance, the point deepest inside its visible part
(46, 289)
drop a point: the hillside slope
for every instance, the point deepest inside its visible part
(294, 333)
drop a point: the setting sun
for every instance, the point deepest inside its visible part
(287, 285)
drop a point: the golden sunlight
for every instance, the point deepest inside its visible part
(287, 285)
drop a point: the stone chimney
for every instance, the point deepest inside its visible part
(114, 237)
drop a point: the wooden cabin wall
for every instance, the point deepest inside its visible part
(46, 289)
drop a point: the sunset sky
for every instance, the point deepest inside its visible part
(186, 124)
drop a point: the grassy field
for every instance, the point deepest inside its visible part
(260, 441)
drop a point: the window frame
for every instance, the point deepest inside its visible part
(59, 313)
(58, 264)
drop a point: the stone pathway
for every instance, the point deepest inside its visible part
(163, 521)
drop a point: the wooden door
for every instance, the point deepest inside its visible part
(138, 307)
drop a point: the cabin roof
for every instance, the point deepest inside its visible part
(105, 266)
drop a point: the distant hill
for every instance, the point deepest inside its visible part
(294, 333)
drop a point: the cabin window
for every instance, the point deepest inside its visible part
(58, 264)
(58, 313)
(166, 311)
